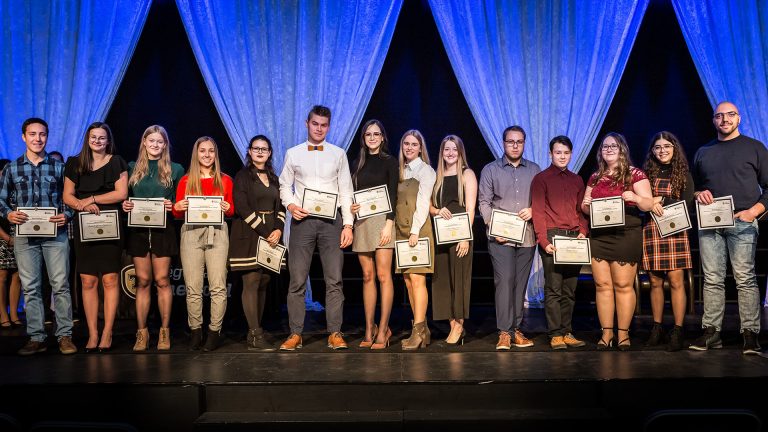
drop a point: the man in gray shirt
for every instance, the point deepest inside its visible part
(505, 184)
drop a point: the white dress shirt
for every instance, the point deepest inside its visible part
(419, 170)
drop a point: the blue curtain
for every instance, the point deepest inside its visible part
(550, 66)
(63, 61)
(267, 62)
(727, 40)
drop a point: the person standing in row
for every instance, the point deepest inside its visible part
(36, 180)
(205, 247)
(97, 180)
(667, 258)
(258, 213)
(153, 175)
(455, 191)
(505, 184)
(9, 274)
(321, 166)
(374, 236)
(556, 195)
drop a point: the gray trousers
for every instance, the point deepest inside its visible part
(511, 269)
(204, 249)
(306, 235)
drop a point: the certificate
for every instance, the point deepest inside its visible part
(320, 204)
(204, 210)
(507, 225)
(571, 250)
(719, 214)
(417, 256)
(38, 222)
(103, 226)
(271, 258)
(453, 230)
(147, 212)
(606, 212)
(674, 220)
(373, 201)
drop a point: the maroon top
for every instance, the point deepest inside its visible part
(605, 189)
(556, 197)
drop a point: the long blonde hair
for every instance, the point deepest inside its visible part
(422, 153)
(141, 168)
(461, 164)
(194, 186)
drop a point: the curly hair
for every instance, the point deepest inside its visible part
(622, 175)
(679, 163)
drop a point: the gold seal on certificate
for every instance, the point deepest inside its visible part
(606, 212)
(147, 213)
(204, 210)
(38, 222)
(99, 227)
(417, 256)
(719, 214)
(674, 220)
(271, 258)
(320, 204)
(373, 201)
(570, 250)
(453, 230)
(507, 225)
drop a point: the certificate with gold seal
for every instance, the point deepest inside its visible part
(373, 201)
(204, 210)
(674, 220)
(719, 214)
(571, 250)
(453, 230)
(271, 258)
(38, 222)
(507, 225)
(320, 204)
(147, 213)
(417, 256)
(99, 227)
(606, 212)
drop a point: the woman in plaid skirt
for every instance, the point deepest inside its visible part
(667, 257)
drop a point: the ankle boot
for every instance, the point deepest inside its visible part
(196, 339)
(142, 340)
(164, 339)
(211, 341)
(657, 335)
(420, 337)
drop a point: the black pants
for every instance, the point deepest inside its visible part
(559, 289)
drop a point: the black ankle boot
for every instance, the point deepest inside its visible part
(657, 334)
(196, 339)
(211, 341)
(675, 339)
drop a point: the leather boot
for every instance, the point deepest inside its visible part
(164, 339)
(211, 341)
(142, 340)
(196, 339)
(420, 337)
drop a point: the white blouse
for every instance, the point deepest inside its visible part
(419, 170)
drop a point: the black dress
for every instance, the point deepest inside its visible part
(98, 256)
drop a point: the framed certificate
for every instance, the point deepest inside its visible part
(373, 201)
(271, 258)
(147, 213)
(719, 214)
(674, 220)
(570, 250)
(320, 204)
(103, 226)
(507, 225)
(453, 230)
(204, 210)
(38, 222)
(606, 212)
(417, 256)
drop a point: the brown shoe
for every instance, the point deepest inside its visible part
(32, 347)
(142, 340)
(557, 343)
(571, 341)
(521, 341)
(505, 341)
(66, 346)
(164, 339)
(292, 343)
(336, 341)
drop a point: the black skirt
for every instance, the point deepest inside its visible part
(162, 242)
(624, 244)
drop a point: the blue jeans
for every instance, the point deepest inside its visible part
(29, 254)
(740, 243)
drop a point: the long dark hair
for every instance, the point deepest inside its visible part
(679, 164)
(623, 174)
(383, 148)
(267, 166)
(85, 158)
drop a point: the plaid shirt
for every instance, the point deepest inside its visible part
(26, 185)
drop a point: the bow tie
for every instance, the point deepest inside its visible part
(315, 147)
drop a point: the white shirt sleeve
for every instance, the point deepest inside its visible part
(426, 177)
(286, 183)
(345, 190)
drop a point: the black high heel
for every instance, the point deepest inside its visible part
(624, 346)
(602, 345)
(460, 340)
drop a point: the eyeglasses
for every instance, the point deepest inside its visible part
(94, 138)
(730, 114)
(658, 148)
(610, 147)
(514, 143)
(260, 150)
(373, 134)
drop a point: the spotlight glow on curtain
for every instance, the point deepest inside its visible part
(63, 61)
(550, 66)
(267, 62)
(727, 40)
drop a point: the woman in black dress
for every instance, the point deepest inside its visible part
(94, 181)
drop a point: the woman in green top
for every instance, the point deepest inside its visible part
(153, 175)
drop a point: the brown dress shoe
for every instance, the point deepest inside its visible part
(164, 339)
(505, 341)
(571, 341)
(32, 347)
(557, 343)
(521, 341)
(292, 343)
(142, 340)
(66, 346)
(336, 341)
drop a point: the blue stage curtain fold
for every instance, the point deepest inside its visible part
(727, 40)
(63, 61)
